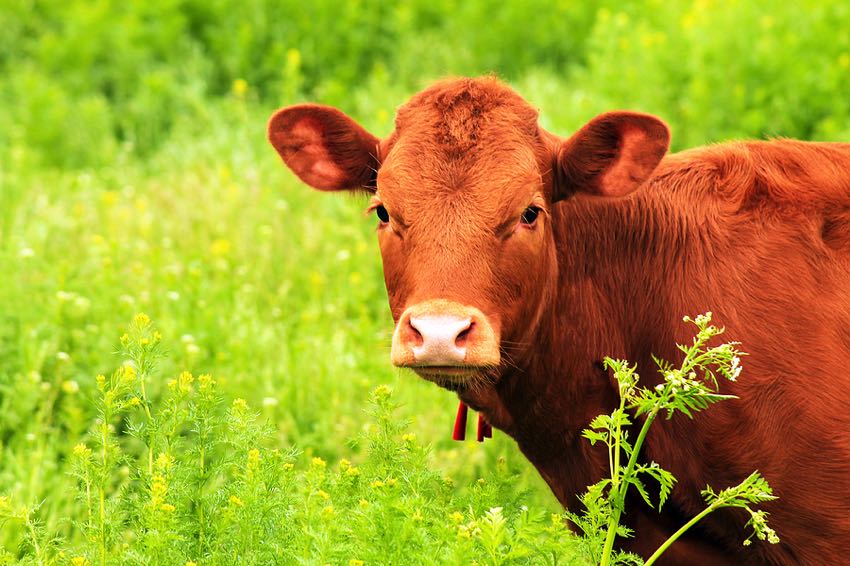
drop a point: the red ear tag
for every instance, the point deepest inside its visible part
(459, 432)
(484, 428)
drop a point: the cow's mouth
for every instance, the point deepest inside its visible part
(446, 373)
(454, 378)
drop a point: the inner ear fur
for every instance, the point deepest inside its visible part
(326, 149)
(612, 155)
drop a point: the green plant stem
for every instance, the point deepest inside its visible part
(34, 536)
(660, 550)
(618, 496)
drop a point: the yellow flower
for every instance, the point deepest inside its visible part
(355, 562)
(220, 247)
(288, 466)
(323, 494)
(293, 58)
(80, 561)
(344, 464)
(134, 402)
(185, 381)
(352, 472)
(456, 517)
(328, 511)
(109, 197)
(167, 507)
(377, 483)
(70, 386)
(101, 381)
(363, 503)
(191, 563)
(164, 461)
(82, 451)
(205, 380)
(317, 462)
(141, 320)
(240, 405)
(235, 501)
(391, 482)
(240, 87)
(409, 437)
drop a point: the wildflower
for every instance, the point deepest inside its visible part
(80, 561)
(317, 462)
(240, 405)
(355, 562)
(382, 392)
(142, 320)
(377, 483)
(172, 384)
(220, 247)
(391, 482)
(293, 58)
(456, 517)
(205, 381)
(328, 511)
(164, 461)
(191, 563)
(352, 472)
(288, 466)
(239, 87)
(253, 460)
(128, 373)
(409, 437)
(167, 507)
(185, 381)
(235, 501)
(323, 494)
(363, 503)
(70, 386)
(125, 339)
(82, 451)
(134, 402)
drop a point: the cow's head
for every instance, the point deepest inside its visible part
(464, 191)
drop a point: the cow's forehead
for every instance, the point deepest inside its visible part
(474, 139)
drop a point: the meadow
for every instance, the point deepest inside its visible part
(135, 178)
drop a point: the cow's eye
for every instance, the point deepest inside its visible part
(382, 213)
(529, 215)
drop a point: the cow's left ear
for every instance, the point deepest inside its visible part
(326, 149)
(611, 155)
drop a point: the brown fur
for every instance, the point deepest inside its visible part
(757, 232)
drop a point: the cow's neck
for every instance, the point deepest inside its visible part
(613, 299)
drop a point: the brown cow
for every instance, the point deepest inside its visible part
(515, 260)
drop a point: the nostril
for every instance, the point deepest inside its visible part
(464, 335)
(413, 336)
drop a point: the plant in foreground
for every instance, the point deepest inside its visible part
(687, 389)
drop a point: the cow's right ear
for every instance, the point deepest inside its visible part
(326, 149)
(611, 156)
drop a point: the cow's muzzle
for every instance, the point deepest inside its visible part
(441, 338)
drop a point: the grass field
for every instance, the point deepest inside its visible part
(135, 178)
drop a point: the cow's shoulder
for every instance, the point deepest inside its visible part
(765, 180)
(764, 174)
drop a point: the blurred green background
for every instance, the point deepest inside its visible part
(135, 176)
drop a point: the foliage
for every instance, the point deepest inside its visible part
(87, 82)
(181, 482)
(687, 389)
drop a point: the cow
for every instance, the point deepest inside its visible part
(515, 260)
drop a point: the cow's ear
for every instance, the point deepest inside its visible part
(611, 155)
(324, 147)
